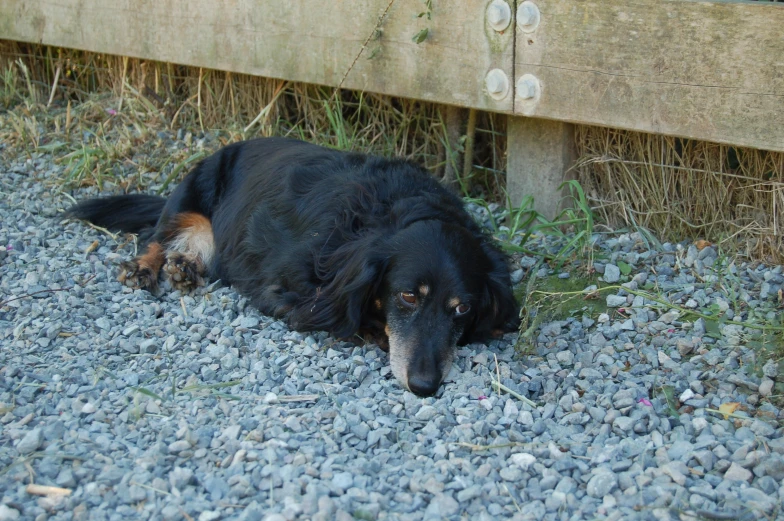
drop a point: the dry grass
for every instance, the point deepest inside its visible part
(686, 189)
(144, 97)
(101, 116)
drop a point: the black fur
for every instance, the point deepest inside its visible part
(133, 213)
(331, 240)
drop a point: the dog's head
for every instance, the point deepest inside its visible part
(443, 286)
(431, 285)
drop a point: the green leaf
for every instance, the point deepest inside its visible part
(669, 396)
(712, 329)
(625, 268)
(147, 392)
(374, 53)
(421, 36)
(177, 169)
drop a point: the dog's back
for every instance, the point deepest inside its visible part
(333, 241)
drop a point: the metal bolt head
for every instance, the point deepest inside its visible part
(528, 16)
(528, 87)
(497, 84)
(499, 15)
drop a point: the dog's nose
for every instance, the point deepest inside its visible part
(423, 385)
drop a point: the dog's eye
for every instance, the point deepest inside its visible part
(407, 298)
(462, 309)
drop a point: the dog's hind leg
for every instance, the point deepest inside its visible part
(142, 272)
(189, 250)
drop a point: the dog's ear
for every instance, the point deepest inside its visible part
(351, 275)
(498, 311)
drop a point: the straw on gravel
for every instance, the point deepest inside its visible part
(686, 188)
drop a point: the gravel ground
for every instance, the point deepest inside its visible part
(198, 407)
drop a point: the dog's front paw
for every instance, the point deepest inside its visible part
(185, 272)
(136, 276)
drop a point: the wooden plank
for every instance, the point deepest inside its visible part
(539, 153)
(308, 41)
(706, 70)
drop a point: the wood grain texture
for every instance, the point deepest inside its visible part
(309, 41)
(539, 154)
(707, 70)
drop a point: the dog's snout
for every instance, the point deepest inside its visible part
(423, 385)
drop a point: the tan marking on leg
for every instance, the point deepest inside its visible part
(152, 258)
(192, 234)
(142, 272)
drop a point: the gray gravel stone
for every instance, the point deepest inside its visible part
(31, 442)
(8, 513)
(611, 273)
(441, 506)
(221, 413)
(737, 473)
(601, 484)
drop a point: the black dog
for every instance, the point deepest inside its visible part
(331, 240)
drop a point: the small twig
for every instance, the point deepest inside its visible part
(54, 85)
(39, 454)
(501, 387)
(184, 309)
(232, 505)
(188, 101)
(122, 83)
(45, 490)
(102, 229)
(198, 99)
(69, 196)
(27, 295)
(727, 414)
(513, 499)
(362, 49)
(68, 119)
(475, 447)
(299, 398)
(497, 371)
(294, 398)
(468, 157)
(84, 282)
(268, 107)
(92, 247)
(148, 487)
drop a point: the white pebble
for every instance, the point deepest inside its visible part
(522, 459)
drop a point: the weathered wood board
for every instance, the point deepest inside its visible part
(540, 155)
(706, 70)
(699, 69)
(312, 41)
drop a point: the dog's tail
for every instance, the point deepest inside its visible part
(132, 213)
